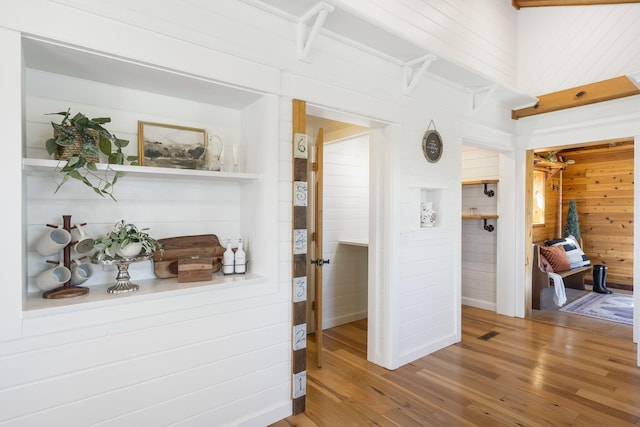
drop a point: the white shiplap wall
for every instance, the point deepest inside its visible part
(346, 217)
(479, 34)
(227, 360)
(478, 245)
(211, 355)
(564, 47)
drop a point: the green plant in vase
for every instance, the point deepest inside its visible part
(125, 241)
(79, 140)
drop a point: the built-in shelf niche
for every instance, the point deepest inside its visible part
(49, 69)
(434, 196)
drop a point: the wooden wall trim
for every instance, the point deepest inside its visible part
(299, 256)
(538, 3)
(605, 90)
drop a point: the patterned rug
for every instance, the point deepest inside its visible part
(613, 307)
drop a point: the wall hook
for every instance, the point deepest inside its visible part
(488, 193)
(488, 227)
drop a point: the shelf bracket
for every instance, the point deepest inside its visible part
(488, 227)
(480, 96)
(414, 70)
(487, 192)
(305, 41)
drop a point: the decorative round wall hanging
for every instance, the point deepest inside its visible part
(432, 144)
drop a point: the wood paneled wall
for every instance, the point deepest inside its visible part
(601, 182)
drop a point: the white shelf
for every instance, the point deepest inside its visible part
(355, 242)
(48, 166)
(149, 289)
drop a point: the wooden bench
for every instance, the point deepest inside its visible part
(540, 279)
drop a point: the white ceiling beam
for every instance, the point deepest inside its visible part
(305, 41)
(414, 70)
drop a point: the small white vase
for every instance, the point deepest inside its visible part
(131, 250)
(427, 215)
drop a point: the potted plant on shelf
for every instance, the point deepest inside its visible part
(79, 140)
(124, 241)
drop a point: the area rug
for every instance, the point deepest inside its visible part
(613, 307)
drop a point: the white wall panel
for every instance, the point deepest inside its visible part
(346, 217)
(564, 47)
(149, 359)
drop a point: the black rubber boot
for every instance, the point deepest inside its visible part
(603, 281)
(599, 279)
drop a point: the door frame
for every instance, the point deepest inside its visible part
(379, 345)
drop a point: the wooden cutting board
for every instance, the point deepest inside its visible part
(165, 263)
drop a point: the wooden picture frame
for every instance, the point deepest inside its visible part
(171, 146)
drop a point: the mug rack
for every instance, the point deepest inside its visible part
(67, 290)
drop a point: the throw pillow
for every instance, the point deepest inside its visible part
(545, 264)
(556, 256)
(576, 256)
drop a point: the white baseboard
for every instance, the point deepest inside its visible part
(341, 320)
(472, 302)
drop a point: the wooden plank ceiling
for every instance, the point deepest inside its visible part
(539, 3)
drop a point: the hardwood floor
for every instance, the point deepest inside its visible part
(551, 314)
(528, 374)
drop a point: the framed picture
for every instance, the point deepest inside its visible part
(171, 146)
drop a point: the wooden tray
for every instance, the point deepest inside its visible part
(165, 263)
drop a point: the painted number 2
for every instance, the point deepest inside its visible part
(299, 336)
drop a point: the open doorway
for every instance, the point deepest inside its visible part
(599, 178)
(344, 190)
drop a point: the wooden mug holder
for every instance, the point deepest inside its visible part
(67, 290)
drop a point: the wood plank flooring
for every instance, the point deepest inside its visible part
(528, 374)
(552, 314)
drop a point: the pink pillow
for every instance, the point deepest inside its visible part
(545, 265)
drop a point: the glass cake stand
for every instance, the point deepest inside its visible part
(123, 282)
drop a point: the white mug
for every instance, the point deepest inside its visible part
(53, 241)
(53, 278)
(80, 273)
(84, 243)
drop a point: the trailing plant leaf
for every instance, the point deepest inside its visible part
(90, 150)
(51, 146)
(105, 145)
(77, 167)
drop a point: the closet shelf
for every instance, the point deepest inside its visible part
(480, 181)
(489, 216)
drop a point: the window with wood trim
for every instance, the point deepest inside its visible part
(538, 197)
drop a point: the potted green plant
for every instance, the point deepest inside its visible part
(124, 241)
(79, 140)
